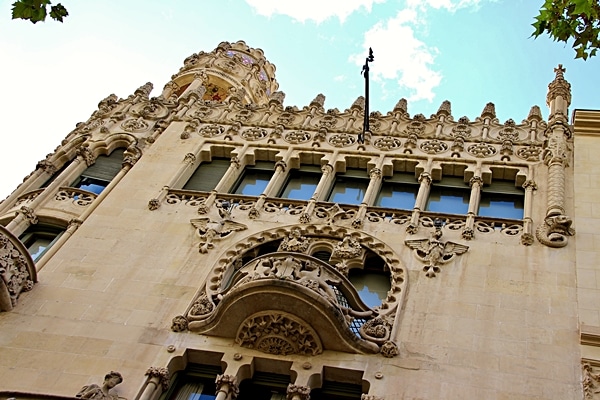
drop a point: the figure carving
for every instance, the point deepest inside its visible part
(294, 242)
(347, 248)
(97, 392)
(435, 252)
(211, 231)
(554, 231)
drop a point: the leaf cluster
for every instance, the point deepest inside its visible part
(563, 20)
(37, 10)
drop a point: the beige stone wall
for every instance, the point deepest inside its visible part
(498, 322)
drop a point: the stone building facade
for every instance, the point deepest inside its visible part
(212, 240)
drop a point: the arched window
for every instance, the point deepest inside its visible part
(371, 282)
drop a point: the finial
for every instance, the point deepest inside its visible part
(318, 101)
(445, 108)
(535, 114)
(401, 106)
(489, 111)
(559, 87)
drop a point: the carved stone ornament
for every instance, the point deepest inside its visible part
(28, 214)
(294, 242)
(179, 323)
(278, 334)
(135, 125)
(254, 134)
(347, 248)
(210, 231)
(434, 146)
(97, 392)
(297, 137)
(161, 373)
(202, 306)
(590, 381)
(227, 384)
(342, 140)
(434, 252)
(387, 143)
(389, 349)
(300, 392)
(554, 231)
(212, 130)
(86, 154)
(17, 270)
(481, 150)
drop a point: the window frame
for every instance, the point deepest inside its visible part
(351, 175)
(312, 171)
(450, 184)
(260, 167)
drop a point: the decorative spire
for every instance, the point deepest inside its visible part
(144, 90)
(318, 101)
(277, 97)
(359, 103)
(445, 108)
(535, 114)
(559, 87)
(401, 106)
(489, 111)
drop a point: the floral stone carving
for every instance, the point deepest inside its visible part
(347, 248)
(17, 270)
(279, 334)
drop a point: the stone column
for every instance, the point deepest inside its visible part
(420, 202)
(527, 237)
(157, 382)
(44, 171)
(476, 183)
(298, 392)
(274, 184)
(370, 195)
(71, 228)
(227, 387)
(324, 184)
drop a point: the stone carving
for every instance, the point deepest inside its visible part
(153, 204)
(387, 143)
(434, 252)
(254, 134)
(559, 86)
(332, 214)
(370, 397)
(445, 109)
(590, 381)
(294, 242)
(80, 197)
(342, 140)
(434, 146)
(347, 248)
(530, 153)
(179, 324)
(481, 150)
(96, 392)
(298, 392)
(389, 349)
(489, 111)
(297, 137)
(210, 231)
(131, 155)
(328, 121)
(86, 154)
(376, 330)
(212, 130)
(279, 334)
(161, 373)
(227, 384)
(554, 231)
(135, 125)
(202, 306)
(17, 272)
(28, 214)
(47, 166)
(144, 90)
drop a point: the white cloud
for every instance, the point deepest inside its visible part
(404, 58)
(450, 5)
(315, 10)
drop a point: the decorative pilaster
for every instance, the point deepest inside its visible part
(227, 387)
(156, 383)
(425, 185)
(375, 176)
(476, 184)
(557, 226)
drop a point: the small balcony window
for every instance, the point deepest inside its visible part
(255, 179)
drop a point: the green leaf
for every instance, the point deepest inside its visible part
(58, 12)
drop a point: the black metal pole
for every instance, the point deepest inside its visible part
(365, 72)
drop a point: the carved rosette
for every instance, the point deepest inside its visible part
(341, 140)
(297, 137)
(434, 146)
(530, 153)
(280, 334)
(254, 134)
(135, 125)
(387, 143)
(212, 130)
(481, 150)
(17, 270)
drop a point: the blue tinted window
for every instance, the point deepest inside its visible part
(301, 185)
(253, 182)
(449, 200)
(397, 195)
(501, 205)
(348, 190)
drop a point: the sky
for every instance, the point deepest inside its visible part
(470, 52)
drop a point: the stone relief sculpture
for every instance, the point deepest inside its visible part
(434, 252)
(17, 271)
(96, 392)
(209, 231)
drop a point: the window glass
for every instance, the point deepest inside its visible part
(301, 184)
(397, 195)
(372, 287)
(255, 179)
(264, 386)
(337, 391)
(501, 199)
(197, 382)
(208, 174)
(349, 188)
(98, 175)
(450, 196)
(39, 238)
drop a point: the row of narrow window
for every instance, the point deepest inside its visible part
(450, 195)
